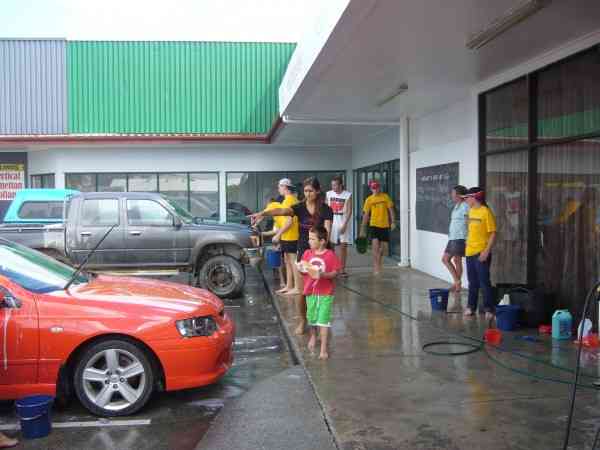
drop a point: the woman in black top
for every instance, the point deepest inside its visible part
(313, 211)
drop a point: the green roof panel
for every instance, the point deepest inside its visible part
(174, 87)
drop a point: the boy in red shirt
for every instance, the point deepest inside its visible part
(320, 266)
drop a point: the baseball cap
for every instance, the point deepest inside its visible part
(374, 184)
(286, 182)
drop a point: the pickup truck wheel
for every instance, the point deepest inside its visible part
(223, 275)
(114, 378)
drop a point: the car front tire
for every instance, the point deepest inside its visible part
(114, 378)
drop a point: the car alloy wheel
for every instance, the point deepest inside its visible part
(115, 379)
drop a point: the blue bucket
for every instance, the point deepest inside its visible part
(439, 299)
(507, 317)
(273, 258)
(34, 413)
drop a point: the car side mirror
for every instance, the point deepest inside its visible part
(177, 223)
(8, 301)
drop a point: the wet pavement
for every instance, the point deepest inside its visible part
(380, 390)
(178, 420)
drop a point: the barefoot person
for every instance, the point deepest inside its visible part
(480, 241)
(457, 235)
(340, 202)
(312, 212)
(6, 442)
(378, 214)
(287, 236)
(320, 267)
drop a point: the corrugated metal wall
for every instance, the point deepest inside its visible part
(174, 87)
(33, 87)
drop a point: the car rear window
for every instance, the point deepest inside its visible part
(41, 210)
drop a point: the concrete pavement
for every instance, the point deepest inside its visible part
(381, 391)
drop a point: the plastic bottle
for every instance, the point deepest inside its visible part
(562, 324)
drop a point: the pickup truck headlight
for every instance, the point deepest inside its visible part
(198, 326)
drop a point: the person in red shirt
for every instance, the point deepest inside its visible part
(320, 267)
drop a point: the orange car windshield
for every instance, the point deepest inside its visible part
(33, 270)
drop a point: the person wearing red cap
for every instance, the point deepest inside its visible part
(481, 236)
(378, 214)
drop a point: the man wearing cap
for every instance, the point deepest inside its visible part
(378, 214)
(287, 236)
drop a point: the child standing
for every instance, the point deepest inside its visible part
(320, 266)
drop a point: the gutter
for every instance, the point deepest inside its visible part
(71, 139)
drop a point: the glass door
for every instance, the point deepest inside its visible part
(388, 174)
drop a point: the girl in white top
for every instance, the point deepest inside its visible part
(340, 202)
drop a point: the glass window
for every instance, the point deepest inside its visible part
(142, 182)
(568, 259)
(36, 181)
(84, 182)
(204, 195)
(175, 187)
(241, 196)
(507, 113)
(267, 186)
(42, 181)
(100, 212)
(41, 210)
(506, 194)
(147, 213)
(48, 181)
(112, 182)
(569, 97)
(33, 270)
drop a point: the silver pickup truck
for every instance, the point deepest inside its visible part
(151, 235)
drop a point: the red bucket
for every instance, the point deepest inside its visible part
(493, 336)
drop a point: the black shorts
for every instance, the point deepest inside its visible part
(381, 234)
(456, 247)
(289, 246)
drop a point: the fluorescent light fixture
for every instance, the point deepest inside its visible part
(512, 17)
(401, 90)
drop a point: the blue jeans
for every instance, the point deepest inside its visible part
(478, 274)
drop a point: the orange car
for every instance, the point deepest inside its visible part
(112, 340)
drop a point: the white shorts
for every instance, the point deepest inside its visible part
(336, 237)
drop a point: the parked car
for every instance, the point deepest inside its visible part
(150, 233)
(112, 340)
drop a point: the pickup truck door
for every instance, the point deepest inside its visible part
(95, 217)
(19, 338)
(153, 237)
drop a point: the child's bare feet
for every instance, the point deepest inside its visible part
(468, 312)
(324, 355)
(292, 292)
(311, 343)
(282, 291)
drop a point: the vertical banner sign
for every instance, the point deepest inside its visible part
(433, 205)
(12, 179)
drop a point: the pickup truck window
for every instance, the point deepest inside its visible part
(33, 270)
(41, 210)
(100, 212)
(147, 213)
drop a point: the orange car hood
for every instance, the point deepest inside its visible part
(146, 294)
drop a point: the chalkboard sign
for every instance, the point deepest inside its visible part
(433, 197)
